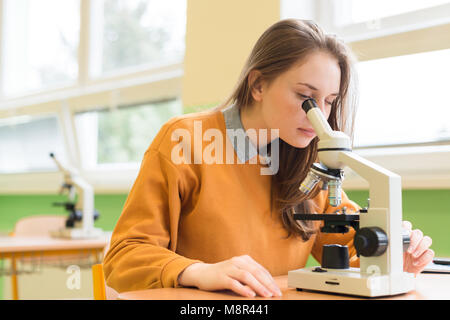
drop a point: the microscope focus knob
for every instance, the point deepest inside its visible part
(370, 242)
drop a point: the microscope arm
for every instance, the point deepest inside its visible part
(389, 182)
(68, 171)
(385, 210)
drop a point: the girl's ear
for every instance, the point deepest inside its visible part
(255, 84)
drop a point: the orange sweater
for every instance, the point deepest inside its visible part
(178, 214)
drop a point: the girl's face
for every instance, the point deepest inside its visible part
(317, 76)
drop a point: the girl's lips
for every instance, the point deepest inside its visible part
(309, 133)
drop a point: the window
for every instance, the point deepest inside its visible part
(355, 20)
(86, 54)
(407, 96)
(40, 44)
(44, 49)
(131, 33)
(26, 143)
(401, 89)
(366, 10)
(121, 135)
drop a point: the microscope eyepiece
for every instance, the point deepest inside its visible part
(309, 104)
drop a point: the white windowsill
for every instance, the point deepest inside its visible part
(419, 167)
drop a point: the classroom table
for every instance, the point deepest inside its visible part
(16, 248)
(428, 286)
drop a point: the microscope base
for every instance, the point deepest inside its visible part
(351, 281)
(77, 233)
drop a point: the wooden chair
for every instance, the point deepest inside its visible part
(98, 281)
(39, 225)
(101, 290)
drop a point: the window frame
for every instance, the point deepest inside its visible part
(384, 26)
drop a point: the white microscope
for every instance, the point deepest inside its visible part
(378, 240)
(80, 223)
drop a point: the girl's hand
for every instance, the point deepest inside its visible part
(242, 274)
(418, 254)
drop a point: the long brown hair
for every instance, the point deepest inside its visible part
(280, 47)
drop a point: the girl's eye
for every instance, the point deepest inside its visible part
(303, 96)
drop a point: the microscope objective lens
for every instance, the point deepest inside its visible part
(309, 183)
(334, 192)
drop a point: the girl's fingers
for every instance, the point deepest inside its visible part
(415, 238)
(423, 245)
(260, 273)
(407, 225)
(418, 265)
(424, 259)
(246, 278)
(237, 287)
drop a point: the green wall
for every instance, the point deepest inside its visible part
(428, 210)
(15, 207)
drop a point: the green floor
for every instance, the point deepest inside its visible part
(428, 210)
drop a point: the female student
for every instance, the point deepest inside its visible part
(212, 206)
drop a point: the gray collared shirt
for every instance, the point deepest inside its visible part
(236, 133)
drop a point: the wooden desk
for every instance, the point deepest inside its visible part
(428, 286)
(16, 248)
